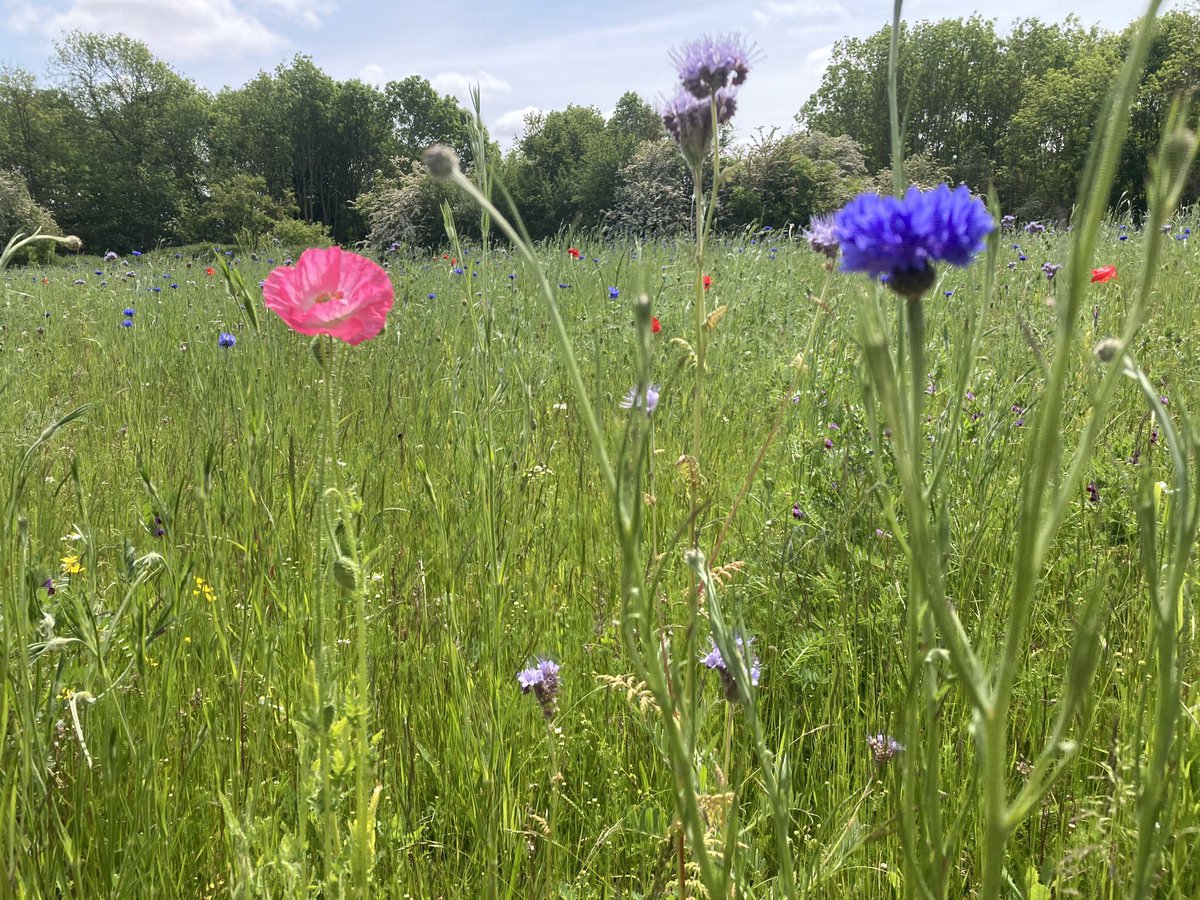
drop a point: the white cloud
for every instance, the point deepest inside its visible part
(509, 126)
(459, 85)
(179, 29)
(372, 74)
(307, 11)
(776, 10)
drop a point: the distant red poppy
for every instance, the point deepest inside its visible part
(655, 325)
(573, 252)
(454, 260)
(707, 282)
(210, 271)
(1104, 273)
(445, 256)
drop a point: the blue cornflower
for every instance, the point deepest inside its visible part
(457, 270)
(127, 323)
(137, 253)
(708, 64)
(542, 679)
(714, 661)
(432, 296)
(903, 237)
(226, 340)
(613, 293)
(129, 311)
(689, 121)
(1123, 237)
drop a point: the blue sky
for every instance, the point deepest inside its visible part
(524, 56)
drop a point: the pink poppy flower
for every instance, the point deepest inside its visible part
(331, 292)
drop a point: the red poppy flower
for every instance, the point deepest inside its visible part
(707, 282)
(573, 252)
(445, 256)
(454, 260)
(655, 325)
(1103, 274)
(210, 271)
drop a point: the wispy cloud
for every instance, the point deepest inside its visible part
(507, 127)
(308, 12)
(372, 73)
(208, 26)
(775, 11)
(459, 85)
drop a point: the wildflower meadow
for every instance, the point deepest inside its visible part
(847, 560)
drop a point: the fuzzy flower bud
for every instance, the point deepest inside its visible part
(441, 161)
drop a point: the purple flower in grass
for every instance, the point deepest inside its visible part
(226, 340)
(716, 662)
(48, 584)
(822, 236)
(689, 121)
(902, 238)
(708, 64)
(1050, 270)
(129, 311)
(110, 256)
(883, 747)
(542, 679)
(633, 401)
(127, 323)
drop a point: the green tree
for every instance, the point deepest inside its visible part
(139, 127)
(421, 117)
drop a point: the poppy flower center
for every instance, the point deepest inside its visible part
(330, 295)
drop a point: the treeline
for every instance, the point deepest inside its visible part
(119, 148)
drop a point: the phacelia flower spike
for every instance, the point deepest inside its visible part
(903, 237)
(690, 122)
(708, 64)
(716, 662)
(542, 679)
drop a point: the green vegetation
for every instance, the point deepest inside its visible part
(157, 700)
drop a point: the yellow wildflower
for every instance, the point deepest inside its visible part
(71, 565)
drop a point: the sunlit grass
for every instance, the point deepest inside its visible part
(154, 703)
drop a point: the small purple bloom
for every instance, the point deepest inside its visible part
(1034, 228)
(1093, 493)
(226, 340)
(716, 662)
(129, 311)
(689, 121)
(633, 401)
(822, 236)
(137, 252)
(883, 747)
(1050, 270)
(48, 584)
(1007, 222)
(708, 65)
(127, 323)
(542, 679)
(797, 512)
(110, 256)
(613, 293)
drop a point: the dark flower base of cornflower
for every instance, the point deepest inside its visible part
(903, 238)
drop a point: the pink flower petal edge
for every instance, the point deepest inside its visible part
(331, 291)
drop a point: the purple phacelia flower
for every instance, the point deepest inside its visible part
(633, 401)
(716, 662)
(542, 679)
(1034, 228)
(883, 747)
(689, 121)
(1093, 493)
(903, 237)
(822, 236)
(1007, 222)
(1050, 270)
(709, 64)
